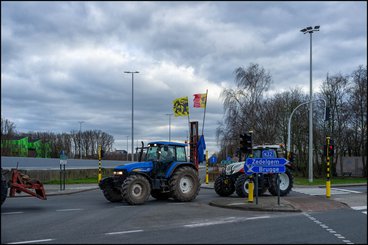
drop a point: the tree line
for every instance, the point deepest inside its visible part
(249, 107)
(74, 144)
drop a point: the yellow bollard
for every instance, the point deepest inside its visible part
(250, 190)
(328, 189)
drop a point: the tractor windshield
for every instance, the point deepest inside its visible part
(165, 153)
(151, 154)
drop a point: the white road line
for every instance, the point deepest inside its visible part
(345, 190)
(225, 221)
(359, 207)
(70, 209)
(24, 242)
(123, 232)
(328, 229)
(364, 212)
(13, 213)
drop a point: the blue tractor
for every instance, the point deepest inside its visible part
(165, 173)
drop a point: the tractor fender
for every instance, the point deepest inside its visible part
(176, 165)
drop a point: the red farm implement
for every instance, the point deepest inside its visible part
(20, 182)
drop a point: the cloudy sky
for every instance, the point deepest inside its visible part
(64, 62)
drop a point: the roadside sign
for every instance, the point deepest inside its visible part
(264, 170)
(265, 165)
(268, 153)
(213, 159)
(63, 158)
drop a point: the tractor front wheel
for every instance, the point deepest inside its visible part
(112, 194)
(224, 185)
(136, 189)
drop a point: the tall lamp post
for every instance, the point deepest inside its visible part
(80, 138)
(310, 30)
(127, 148)
(132, 72)
(169, 114)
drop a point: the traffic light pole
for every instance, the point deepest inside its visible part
(251, 184)
(328, 172)
(289, 134)
(99, 164)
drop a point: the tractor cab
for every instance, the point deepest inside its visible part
(166, 152)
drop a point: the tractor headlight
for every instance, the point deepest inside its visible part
(118, 172)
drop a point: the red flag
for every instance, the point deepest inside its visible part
(199, 100)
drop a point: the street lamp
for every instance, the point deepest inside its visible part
(132, 72)
(310, 30)
(80, 138)
(127, 148)
(169, 114)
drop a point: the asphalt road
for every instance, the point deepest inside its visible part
(87, 217)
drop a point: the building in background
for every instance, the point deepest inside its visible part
(25, 147)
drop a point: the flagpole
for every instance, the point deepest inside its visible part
(188, 119)
(204, 114)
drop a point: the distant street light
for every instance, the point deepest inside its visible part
(132, 72)
(127, 148)
(80, 138)
(169, 114)
(310, 30)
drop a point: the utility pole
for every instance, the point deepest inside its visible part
(169, 114)
(132, 72)
(80, 139)
(310, 30)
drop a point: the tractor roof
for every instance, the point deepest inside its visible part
(167, 143)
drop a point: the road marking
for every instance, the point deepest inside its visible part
(225, 221)
(13, 213)
(313, 191)
(43, 240)
(70, 209)
(328, 229)
(123, 232)
(359, 207)
(345, 190)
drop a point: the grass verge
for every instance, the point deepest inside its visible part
(334, 181)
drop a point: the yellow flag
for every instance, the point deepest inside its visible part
(181, 107)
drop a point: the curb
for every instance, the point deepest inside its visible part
(291, 208)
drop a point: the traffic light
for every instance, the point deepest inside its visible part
(331, 149)
(246, 143)
(324, 150)
(102, 153)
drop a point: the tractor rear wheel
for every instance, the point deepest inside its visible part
(185, 184)
(136, 189)
(159, 195)
(224, 186)
(242, 186)
(286, 183)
